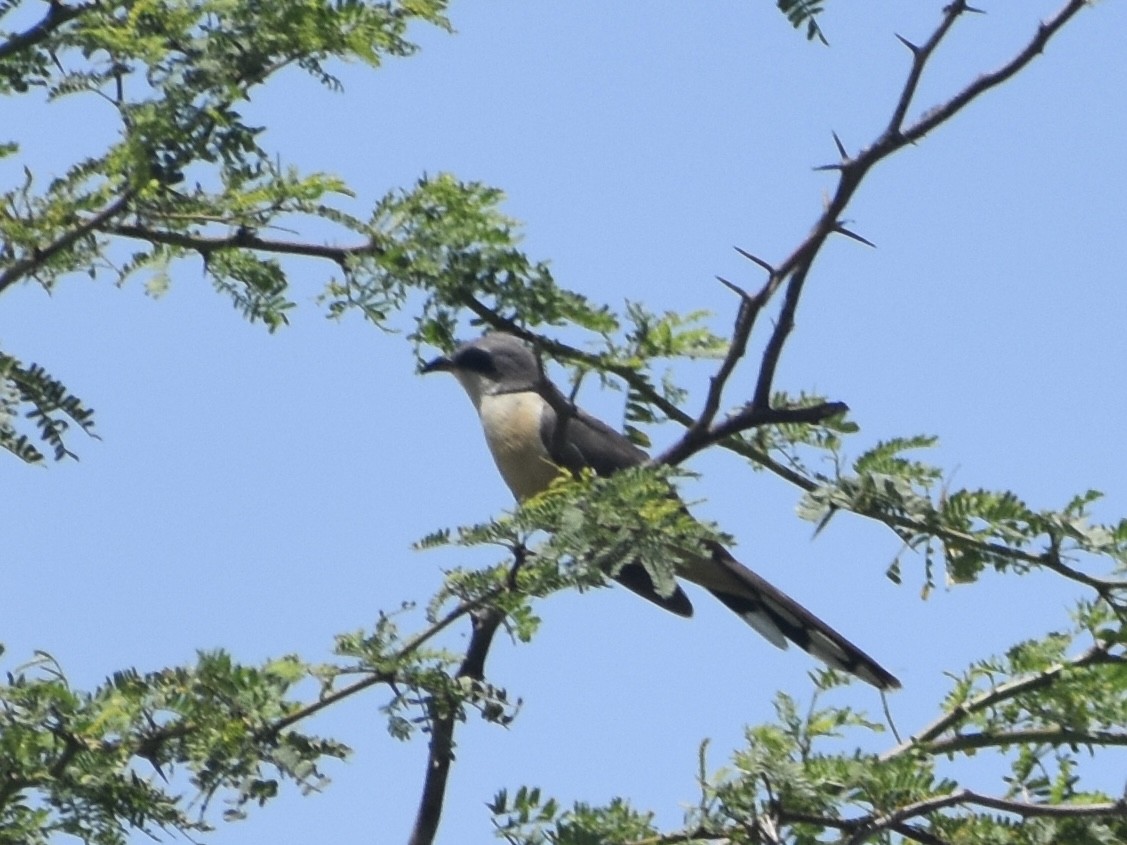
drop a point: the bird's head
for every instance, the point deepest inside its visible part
(489, 365)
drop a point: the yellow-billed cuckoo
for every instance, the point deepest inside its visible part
(508, 388)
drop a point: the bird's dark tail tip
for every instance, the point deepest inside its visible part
(776, 621)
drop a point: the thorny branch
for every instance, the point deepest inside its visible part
(793, 270)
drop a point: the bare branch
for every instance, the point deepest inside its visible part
(746, 314)
(984, 83)
(774, 348)
(795, 268)
(920, 56)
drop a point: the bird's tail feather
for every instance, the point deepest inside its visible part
(779, 618)
(634, 577)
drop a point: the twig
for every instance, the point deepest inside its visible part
(920, 56)
(746, 315)
(408, 648)
(795, 268)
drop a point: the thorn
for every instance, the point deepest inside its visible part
(755, 259)
(974, 10)
(840, 146)
(740, 292)
(837, 166)
(841, 230)
(913, 47)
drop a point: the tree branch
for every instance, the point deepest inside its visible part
(57, 15)
(928, 738)
(940, 114)
(795, 268)
(1054, 736)
(908, 831)
(874, 825)
(22, 267)
(243, 239)
(411, 646)
(444, 716)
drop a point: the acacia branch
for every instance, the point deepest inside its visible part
(444, 717)
(746, 314)
(411, 646)
(795, 268)
(920, 57)
(928, 738)
(874, 825)
(1053, 735)
(908, 831)
(242, 238)
(56, 16)
(40, 255)
(1036, 45)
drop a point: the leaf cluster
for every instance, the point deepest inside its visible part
(797, 780)
(29, 392)
(98, 764)
(967, 530)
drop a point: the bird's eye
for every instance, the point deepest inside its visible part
(475, 360)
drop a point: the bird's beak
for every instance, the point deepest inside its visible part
(441, 364)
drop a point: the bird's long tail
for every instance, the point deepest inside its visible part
(780, 618)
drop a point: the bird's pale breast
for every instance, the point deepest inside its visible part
(512, 429)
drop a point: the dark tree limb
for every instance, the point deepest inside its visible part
(793, 270)
(24, 266)
(56, 16)
(205, 245)
(444, 717)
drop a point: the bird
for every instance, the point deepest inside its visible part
(516, 404)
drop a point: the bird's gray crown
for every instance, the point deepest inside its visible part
(500, 358)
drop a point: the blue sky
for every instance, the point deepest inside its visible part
(260, 493)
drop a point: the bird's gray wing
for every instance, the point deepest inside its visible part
(589, 443)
